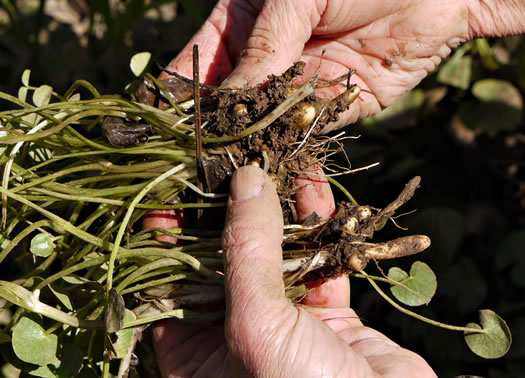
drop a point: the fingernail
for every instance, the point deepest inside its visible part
(247, 183)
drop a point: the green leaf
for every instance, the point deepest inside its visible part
(42, 95)
(114, 312)
(420, 285)
(67, 365)
(499, 107)
(456, 72)
(22, 93)
(496, 339)
(31, 343)
(124, 336)
(42, 245)
(139, 63)
(25, 77)
(63, 298)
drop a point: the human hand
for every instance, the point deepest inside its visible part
(393, 45)
(264, 333)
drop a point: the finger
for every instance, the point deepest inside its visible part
(315, 195)
(252, 240)
(276, 41)
(220, 40)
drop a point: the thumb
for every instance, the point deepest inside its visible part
(276, 42)
(252, 241)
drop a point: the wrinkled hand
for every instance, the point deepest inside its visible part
(392, 45)
(264, 333)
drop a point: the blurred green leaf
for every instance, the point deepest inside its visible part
(42, 245)
(403, 112)
(456, 71)
(487, 55)
(31, 343)
(473, 288)
(421, 284)
(499, 108)
(495, 341)
(139, 63)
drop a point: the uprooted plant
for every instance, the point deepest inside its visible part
(80, 174)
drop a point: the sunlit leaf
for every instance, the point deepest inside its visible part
(124, 336)
(139, 63)
(420, 285)
(25, 77)
(496, 339)
(114, 312)
(63, 298)
(42, 95)
(31, 343)
(42, 245)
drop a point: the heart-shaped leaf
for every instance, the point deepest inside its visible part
(139, 63)
(31, 343)
(42, 245)
(494, 341)
(418, 288)
(124, 336)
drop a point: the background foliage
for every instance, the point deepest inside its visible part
(462, 130)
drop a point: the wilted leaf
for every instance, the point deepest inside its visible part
(25, 77)
(124, 336)
(63, 298)
(42, 245)
(42, 95)
(139, 63)
(456, 71)
(31, 343)
(495, 341)
(420, 285)
(114, 312)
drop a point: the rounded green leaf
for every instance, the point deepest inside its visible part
(418, 288)
(25, 76)
(496, 339)
(67, 365)
(42, 245)
(139, 63)
(31, 344)
(42, 95)
(22, 93)
(456, 72)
